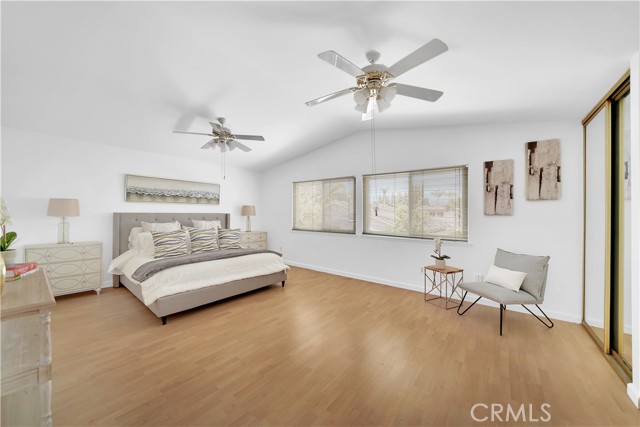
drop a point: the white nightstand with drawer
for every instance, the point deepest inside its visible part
(70, 267)
(253, 239)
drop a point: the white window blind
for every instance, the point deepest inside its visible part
(424, 204)
(325, 205)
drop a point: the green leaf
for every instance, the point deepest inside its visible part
(7, 240)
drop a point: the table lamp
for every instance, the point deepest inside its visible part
(63, 208)
(248, 211)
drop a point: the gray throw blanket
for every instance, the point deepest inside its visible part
(152, 267)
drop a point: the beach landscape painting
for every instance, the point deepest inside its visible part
(162, 190)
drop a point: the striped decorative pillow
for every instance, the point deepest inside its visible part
(169, 243)
(229, 239)
(203, 239)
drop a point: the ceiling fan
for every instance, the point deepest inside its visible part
(373, 83)
(223, 138)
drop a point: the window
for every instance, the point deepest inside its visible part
(425, 204)
(325, 205)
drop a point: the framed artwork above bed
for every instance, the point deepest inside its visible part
(161, 190)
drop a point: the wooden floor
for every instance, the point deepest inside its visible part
(324, 350)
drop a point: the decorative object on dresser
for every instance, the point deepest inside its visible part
(498, 187)
(70, 268)
(248, 211)
(543, 170)
(162, 190)
(63, 208)
(8, 255)
(253, 239)
(26, 351)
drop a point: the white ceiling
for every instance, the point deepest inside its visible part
(128, 73)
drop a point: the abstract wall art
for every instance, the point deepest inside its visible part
(498, 187)
(544, 177)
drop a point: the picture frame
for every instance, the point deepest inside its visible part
(147, 189)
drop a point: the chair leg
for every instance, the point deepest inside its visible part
(461, 302)
(545, 315)
(501, 308)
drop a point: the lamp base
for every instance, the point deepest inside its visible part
(63, 231)
(248, 226)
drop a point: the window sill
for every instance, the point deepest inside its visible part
(325, 233)
(414, 240)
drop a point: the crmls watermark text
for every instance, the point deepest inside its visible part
(481, 412)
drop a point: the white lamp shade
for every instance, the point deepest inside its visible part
(63, 207)
(248, 210)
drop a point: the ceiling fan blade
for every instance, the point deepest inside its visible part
(216, 126)
(193, 133)
(330, 96)
(430, 50)
(340, 62)
(210, 144)
(241, 146)
(249, 137)
(418, 92)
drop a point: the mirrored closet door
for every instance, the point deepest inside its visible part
(607, 216)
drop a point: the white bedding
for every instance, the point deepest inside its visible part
(189, 277)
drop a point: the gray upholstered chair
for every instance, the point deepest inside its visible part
(531, 291)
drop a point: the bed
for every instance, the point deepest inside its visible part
(165, 305)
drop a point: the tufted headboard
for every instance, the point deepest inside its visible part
(123, 222)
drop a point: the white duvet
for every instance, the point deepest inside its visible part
(199, 275)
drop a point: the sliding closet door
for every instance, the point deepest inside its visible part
(597, 212)
(607, 219)
(621, 290)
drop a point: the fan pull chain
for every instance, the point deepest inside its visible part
(223, 165)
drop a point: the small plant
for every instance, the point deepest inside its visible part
(7, 238)
(438, 250)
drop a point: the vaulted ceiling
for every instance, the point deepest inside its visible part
(128, 73)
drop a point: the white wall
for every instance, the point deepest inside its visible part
(36, 167)
(537, 227)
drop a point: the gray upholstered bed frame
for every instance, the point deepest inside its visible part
(164, 306)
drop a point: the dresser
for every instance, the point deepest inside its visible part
(253, 239)
(70, 267)
(26, 351)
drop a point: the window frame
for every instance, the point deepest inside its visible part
(323, 180)
(365, 209)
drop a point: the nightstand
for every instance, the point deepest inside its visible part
(253, 239)
(70, 267)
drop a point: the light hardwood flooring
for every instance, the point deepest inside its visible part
(324, 350)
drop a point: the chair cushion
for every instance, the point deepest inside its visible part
(498, 293)
(534, 266)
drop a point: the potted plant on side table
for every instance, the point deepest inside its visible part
(440, 259)
(8, 255)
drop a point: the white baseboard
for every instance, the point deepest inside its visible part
(634, 394)
(417, 288)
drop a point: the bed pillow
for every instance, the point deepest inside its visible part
(169, 243)
(203, 239)
(132, 235)
(508, 279)
(206, 224)
(161, 226)
(229, 239)
(142, 244)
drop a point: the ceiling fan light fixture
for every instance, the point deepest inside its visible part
(388, 93)
(361, 96)
(362, 108)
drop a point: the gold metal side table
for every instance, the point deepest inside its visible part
(440, 278)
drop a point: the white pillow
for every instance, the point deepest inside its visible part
(142, 243)
(161, 226)
(508, 279)
(132, 235)
(206, 224)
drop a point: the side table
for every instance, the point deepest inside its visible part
(439, 278)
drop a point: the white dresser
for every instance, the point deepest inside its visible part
(26, 351)
(70, 267)
(253, 239)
